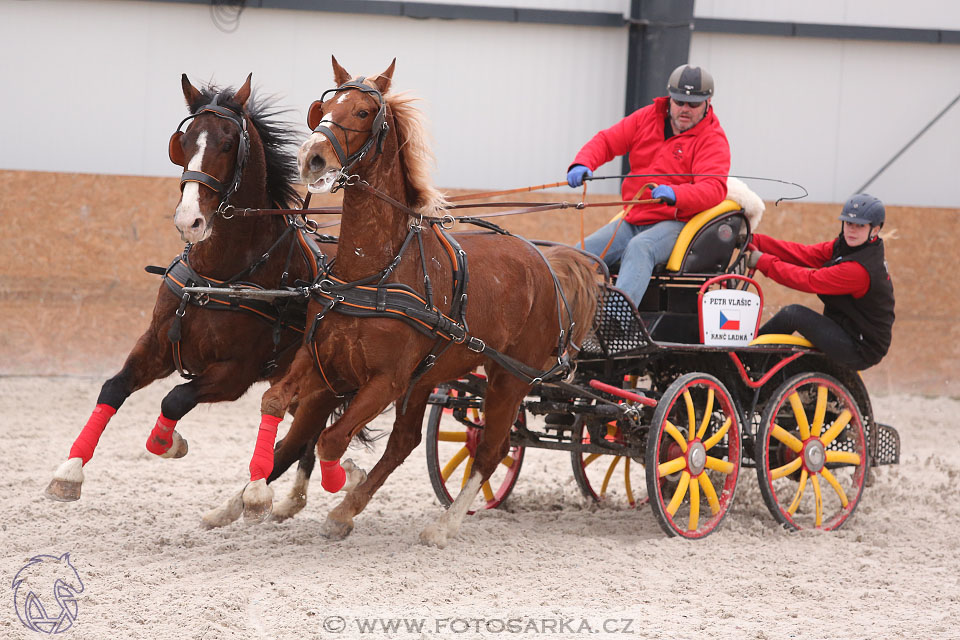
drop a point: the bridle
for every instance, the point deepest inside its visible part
(225, 191)
(378, 130)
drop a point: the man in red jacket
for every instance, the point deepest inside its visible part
(848, 273)
(679, 140)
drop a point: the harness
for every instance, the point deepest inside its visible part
(282, 314)
(374, 297)
(378, 130)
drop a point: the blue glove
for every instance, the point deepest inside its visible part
(664, 193)
(576, 175)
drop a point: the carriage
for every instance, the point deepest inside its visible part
(678, 396)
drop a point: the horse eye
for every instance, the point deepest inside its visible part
(363, 113)
(227, 146)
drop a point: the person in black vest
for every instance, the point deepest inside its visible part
(848, 273)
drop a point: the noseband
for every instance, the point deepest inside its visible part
(224, 190)
(378, 131)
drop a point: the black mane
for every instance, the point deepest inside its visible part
(276, 135)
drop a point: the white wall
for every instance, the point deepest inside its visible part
(94, 86)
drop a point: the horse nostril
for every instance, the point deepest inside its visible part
(316, 163)
(196, 223)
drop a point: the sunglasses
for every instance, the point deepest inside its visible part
(692, 105)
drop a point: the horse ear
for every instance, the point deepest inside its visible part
(243, 93)
(340, 74)
(190, 93)
(384, 79)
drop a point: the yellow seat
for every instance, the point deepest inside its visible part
(782, 338)
(690, 230)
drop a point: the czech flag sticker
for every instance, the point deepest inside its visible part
(729, 321)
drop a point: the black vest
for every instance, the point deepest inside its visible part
(869, 320)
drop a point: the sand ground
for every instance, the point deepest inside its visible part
(549, 564)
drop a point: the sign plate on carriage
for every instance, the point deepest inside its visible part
(729, 317)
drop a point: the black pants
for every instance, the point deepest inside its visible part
(825, 334)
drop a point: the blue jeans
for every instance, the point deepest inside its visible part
(638, 249)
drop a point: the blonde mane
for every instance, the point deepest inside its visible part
(415, 154)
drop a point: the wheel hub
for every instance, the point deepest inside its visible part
(814, 455)
(696, 458)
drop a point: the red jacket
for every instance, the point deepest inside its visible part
(800, 267)
(703, 149)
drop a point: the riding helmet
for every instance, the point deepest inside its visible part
(690, 84)
(862, 208)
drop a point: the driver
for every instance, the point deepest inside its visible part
(849, 273)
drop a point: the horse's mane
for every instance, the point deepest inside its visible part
(276, 135)
(415, 154)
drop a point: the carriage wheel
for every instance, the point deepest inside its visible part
(452, 438)
(811, 453)
(608, 478)
(693, 456)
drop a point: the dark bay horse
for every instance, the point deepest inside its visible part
(502, 308)
(235, 151)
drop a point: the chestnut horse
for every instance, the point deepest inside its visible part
(234, 152)
(506, 311)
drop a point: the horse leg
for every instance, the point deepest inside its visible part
(148, 361)
(404, 438)
(501, 404)
(369, 402)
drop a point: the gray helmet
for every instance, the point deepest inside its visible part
(690, 84)
(863, 208)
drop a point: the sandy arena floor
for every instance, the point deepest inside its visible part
(547, 565)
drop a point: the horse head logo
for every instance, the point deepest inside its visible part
(45, 593)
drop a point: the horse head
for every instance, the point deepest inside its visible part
(349, 123)
(42, 581)
(212, 151)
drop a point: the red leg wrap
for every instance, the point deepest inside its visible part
(333, 477)
(87, 441)
(161, 438)
(261, 464)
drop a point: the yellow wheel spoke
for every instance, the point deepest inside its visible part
(466, 473)
(611, 430)
(452, 436)
(476, 416)
(719, 465)
(691, 415)
(838, 425)
(820, 412)
(843, 457)
(609, 474)
(626, 482)
(786, 438)
(694, 506)
(710, 492)
(508, 462)
(786, 469)
(679, 494)
(707, 412)
(487, 492)
(819, 499)
(718, 436)
(829, 477)
(800, 414)
(589, 459)
(675, 434)
(455, 461)
(799, 494)
(672, 466)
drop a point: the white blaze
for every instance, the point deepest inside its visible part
(189, 208)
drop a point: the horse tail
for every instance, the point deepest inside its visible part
(582, 286)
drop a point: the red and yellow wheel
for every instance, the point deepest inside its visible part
(609, 478)
(693, 456)
(452, 438)
(811, 453)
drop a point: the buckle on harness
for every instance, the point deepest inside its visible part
(476, 345)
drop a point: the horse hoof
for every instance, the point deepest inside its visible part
(434, 536)
(178, 449)
(67, 480)
(336, 530)
(288, 507)
(355, 475)
(257, 502)
(223, 515)
(63, 490)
